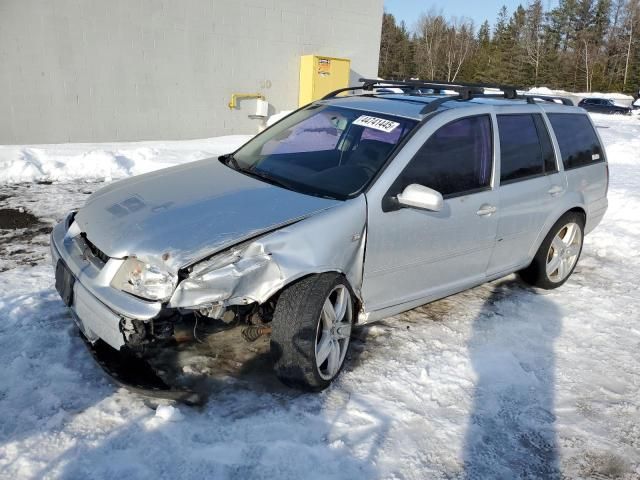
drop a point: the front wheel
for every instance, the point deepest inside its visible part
(558, 255)
(311, 331)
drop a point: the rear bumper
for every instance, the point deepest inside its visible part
(97, 308)
(596, 214)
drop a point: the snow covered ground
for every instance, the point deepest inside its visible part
(501, 381)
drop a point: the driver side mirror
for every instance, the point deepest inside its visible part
(419, 196)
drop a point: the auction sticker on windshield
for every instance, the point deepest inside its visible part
(376, 123)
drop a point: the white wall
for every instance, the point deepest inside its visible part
(95, 70)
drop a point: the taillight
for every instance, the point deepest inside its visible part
(606, 190)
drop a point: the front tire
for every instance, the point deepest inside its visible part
(311, 331)
(558, 255)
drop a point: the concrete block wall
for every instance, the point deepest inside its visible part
(120, 70)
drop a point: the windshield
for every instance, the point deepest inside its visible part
(323, 150)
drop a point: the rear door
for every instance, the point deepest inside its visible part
(530, 183)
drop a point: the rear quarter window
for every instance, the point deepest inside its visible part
(578, 142)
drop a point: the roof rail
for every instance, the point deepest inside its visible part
(465, 91)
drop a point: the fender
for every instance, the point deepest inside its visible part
(569, 201)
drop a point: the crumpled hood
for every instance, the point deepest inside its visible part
(185, 213)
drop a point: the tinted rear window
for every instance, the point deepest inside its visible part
(579, 145)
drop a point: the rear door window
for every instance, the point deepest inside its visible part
(455, 160)
(579, 144)
(525, 148)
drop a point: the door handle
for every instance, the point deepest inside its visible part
(556, 190)
(486, 210)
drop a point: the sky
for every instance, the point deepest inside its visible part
(477, 10)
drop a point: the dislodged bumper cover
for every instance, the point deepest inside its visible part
(332, 240)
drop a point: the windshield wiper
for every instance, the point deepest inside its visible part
(229, 160)
(269, 179)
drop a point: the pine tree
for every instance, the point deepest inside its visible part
(481, 62)
(396, 50)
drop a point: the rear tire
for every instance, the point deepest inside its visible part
(311, 331)
(558, 255)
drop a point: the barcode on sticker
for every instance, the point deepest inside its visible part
(595, 156)
(376, 123)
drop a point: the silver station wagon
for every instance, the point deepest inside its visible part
(351, 209)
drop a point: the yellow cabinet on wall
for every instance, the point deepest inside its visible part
(320, 75)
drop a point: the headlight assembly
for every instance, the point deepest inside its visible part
(221, 260)
(144, 279)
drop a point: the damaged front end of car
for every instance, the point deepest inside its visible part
(238, 287)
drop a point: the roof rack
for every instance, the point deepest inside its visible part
(465, 91)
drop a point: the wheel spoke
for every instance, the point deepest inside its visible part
(554, 264)
(340, 306)
(562, 269)
(328, 314)
(324, 347)
(557, 244)
(333, 362)
(570, 236)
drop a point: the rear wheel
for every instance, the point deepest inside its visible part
(558, 255)
(311, 331)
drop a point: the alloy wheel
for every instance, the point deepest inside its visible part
(333, 332)
(563, 252)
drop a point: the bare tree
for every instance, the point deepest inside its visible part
(431, 31)
(459, 42)
(633, 13)
(534, 39)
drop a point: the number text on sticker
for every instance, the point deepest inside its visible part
(376, 123)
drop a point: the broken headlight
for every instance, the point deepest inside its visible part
(221, 260)
(144, 279)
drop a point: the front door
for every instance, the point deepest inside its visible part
(416, 254)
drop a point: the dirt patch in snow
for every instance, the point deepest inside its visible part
(12, 219)
(23, 238)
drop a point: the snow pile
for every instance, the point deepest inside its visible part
(612, 96)
(104, 161)
(619, 98)
(98, 162)
(546, 91)
(500, 381)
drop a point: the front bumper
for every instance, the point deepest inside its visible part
(98, 308)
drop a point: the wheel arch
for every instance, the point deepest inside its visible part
(579, 210)
(298, 278)
(551, 221)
